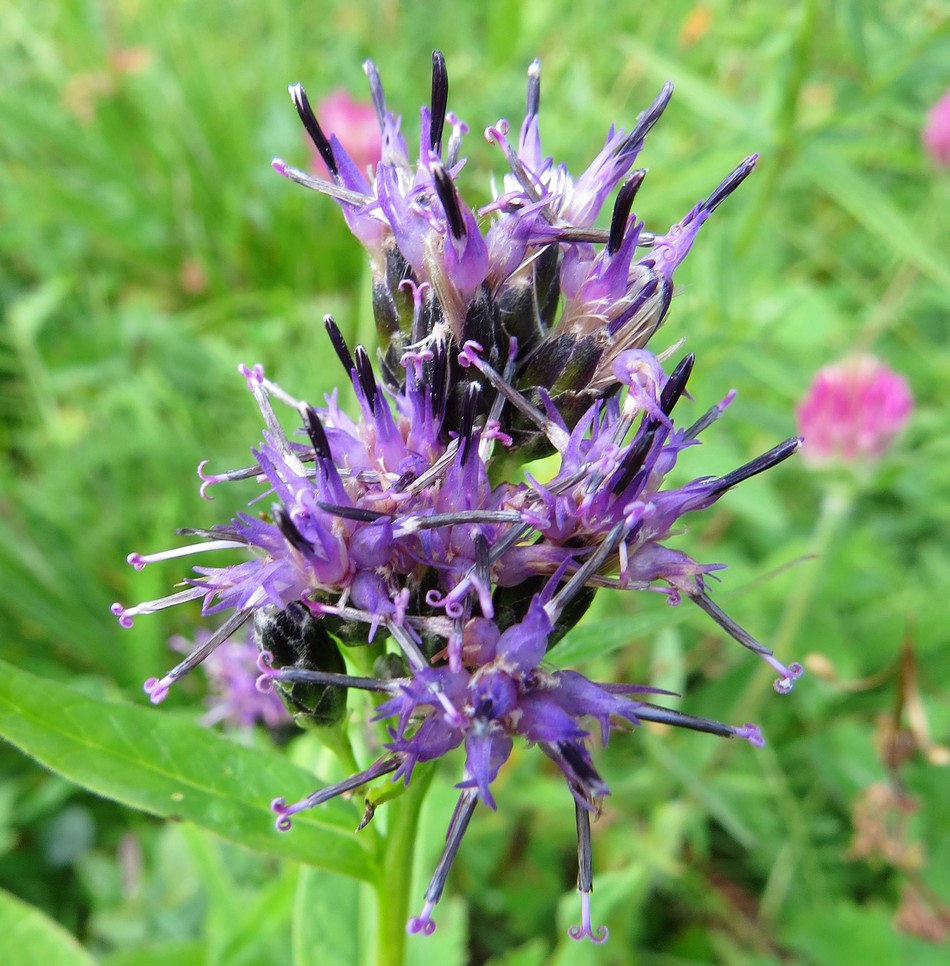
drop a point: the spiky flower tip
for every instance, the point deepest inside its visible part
(505, 333)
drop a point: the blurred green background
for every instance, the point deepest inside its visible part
(147, 248)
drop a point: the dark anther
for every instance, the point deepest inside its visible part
(439, 380)
(534, 88)
(622, 206)
(403, 481)
(339, 343)
(367, 378)
(666, 297)
(585, 863)
(730, 183)
(289, 529)
(676, 384)
(759, 465)
(583, 770)
(484, 708)
(637, 454)
(440, 97)
(450, 200)
(467, 421)
(635, 457)
(320, 141)
(482, 560)
(353, 512)
(376, 89)
(316, 432)
(634, 140)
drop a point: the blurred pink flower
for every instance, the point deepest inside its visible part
(936, 134)
(357, 127)
(852, 411)
(232, 673)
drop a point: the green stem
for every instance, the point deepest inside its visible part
(395, 881)
(835, 507)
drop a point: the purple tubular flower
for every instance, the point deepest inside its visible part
(504, 334)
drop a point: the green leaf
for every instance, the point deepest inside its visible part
(31, 938)
(327, 920)
(175, 769)
(874, 211)
(181, 953)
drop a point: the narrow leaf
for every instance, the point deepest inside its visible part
(31, 938)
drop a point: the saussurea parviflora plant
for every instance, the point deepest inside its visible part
(505, 333)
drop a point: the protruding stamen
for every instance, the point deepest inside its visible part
(585, 881)
(440, 98)
(339, 343)
(557, 436)
(331, 188)
(460, 818)
(450, 201)
(209, 479)
(481, 558)
(759, 465)
(141, 560)
(676, 384)
(582, 771)
(622, 206)
(636, 456)
(439, 381)
(409, 647)
(646, 120)
(299, 96)
(678, 719)
(376, 90)
(412, 524)
(585, 862)
(316, 432)
(157, 688)
(730, 183)
(126, 614)
(293, 675)
(534, 88)
(467, 420)
(579, 579)
(789, 673)
(284, 811)
(751, 733)
(423, 922)
(361, 514)
(366, 376)
(710, 416)
(459, 130)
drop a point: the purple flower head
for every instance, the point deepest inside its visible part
(852, 412)
(507, 332)
(499, 272)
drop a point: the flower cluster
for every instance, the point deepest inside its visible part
(506, 333)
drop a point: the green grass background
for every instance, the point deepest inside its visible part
(146, 248)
